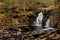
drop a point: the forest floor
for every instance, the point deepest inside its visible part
(18, 33)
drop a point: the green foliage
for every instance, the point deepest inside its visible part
(5, 0)
(8, 12)
(57, 1)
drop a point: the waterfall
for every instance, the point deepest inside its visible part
(47, 26)
(39, 19)
(38, 23)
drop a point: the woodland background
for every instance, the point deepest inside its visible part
(14, 12)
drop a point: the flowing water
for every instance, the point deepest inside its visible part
(38, 23)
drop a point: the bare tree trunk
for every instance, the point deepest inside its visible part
(24, 5)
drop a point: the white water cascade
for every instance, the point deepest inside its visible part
(38, 23)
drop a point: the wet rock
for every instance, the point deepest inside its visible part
(58, 31)
(1, 31)
(36, 35)
(19, 33)
(10, 39)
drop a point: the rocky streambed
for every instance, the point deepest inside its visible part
(24, 33)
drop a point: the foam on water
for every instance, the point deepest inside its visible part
(38, 23)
